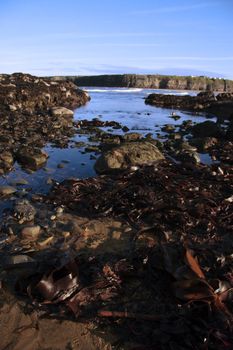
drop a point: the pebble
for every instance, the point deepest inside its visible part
(59, 210)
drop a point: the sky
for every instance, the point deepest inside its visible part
(78, 37)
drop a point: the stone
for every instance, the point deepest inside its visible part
(61, 112)
(205, 143)
(31, 158)
(24, 211)
(168, 128)
(175, 136)
(31, 232)
(6, 161)
(127, 155)
(185, 146)
(132, 136)
(206, 129)
(7, 190)
(189, 157)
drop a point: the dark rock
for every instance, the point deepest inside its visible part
(168, 128)
(125, 129)
(207, 102)
(31, 158)
(205, 143)
(188, 157)
(206, 129)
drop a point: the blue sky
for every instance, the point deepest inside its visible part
(65, 37)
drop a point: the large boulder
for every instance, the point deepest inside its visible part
(126, 155)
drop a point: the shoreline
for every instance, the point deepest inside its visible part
(147, 239)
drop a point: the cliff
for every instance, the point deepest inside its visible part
(154, 82)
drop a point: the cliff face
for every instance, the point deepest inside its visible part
(155, 82)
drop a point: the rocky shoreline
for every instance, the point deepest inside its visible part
(34, 111)
(141, 253)
(220, 105)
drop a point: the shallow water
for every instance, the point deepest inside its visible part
(119, 104)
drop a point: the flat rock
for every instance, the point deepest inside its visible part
(7, 190)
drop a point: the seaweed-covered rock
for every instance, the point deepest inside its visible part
(126, 155)
(204, 143)
(26, 93)
(220, 105)
(206, 129)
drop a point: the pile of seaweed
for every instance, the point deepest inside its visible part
(174, 291)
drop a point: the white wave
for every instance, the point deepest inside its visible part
(115, 90)
(178, 93)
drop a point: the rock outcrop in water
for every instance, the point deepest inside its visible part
(153, 82)
(126, 155)
(220, 105)
(34, 111)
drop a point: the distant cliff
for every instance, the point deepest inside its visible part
(154, 82)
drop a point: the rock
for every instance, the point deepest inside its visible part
(61, 112)
(6, 161)
(203, 144)
(24, 211)
(132, 136)
(175, 136)
(91, 149)
(168, 128)
(32, 158)
(125, 129)
(111, 139)
(18, 259)
(61, 166)
(19, 181)
(218, 106)
(7, 190)
(185, 146)
(189, 157)
(31, 232)
(127, 155)
(206, 129)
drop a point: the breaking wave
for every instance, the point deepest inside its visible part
(121, 90)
